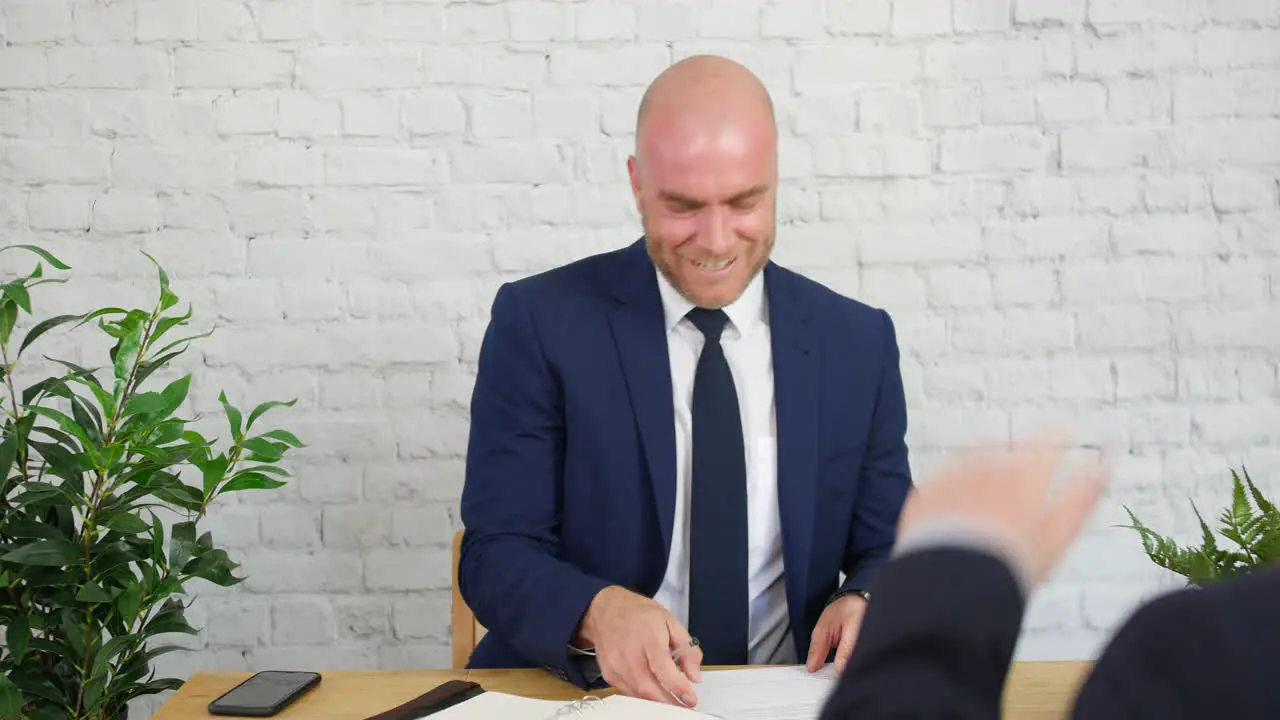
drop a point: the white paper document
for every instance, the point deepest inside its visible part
(775, 693)
(502, 706)
(772, 693)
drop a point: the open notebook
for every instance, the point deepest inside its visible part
(490, 705)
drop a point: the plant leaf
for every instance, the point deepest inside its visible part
(43, 327)
(233, 416)
(264, 407)
(214, 471)
(1258, 498)
(8, 318)
(165, 324)
(17, 636)
(73, 632)
(46, 552)
(175, 393)
(91, 592)
(251, 481)
(264, 450)
(146, 368)
(10, 699)
(125, 522)
(66, 424)
(8, 452)
(182, 543)
(18, 293)
(180, 341)
(167, 298)
(48, 257)
(86, 416)
(284, 436)
(33, 529)
(128, 602)
(125, 353)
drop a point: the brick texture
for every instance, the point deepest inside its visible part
(1069, 207)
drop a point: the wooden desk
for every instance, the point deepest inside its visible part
(1036, 691)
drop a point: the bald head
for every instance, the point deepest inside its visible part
(705, 93)
(704, 175)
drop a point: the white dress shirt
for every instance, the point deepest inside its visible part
(747, 347)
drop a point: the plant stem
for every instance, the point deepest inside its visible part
(22, 457)
(13, 399)
(95, 496)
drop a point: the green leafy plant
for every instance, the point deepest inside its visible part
(1251, 523)
(91, 581)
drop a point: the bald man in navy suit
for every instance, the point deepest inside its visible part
(681, 439)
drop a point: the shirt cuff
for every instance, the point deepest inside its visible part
(586, 659)
(954, 532)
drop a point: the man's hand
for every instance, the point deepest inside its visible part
(634, 638)
(837, 628)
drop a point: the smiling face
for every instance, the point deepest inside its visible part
(705, 182)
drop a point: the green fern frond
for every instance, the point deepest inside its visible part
(1259, 499)
(1254, 527)
(1210, 543)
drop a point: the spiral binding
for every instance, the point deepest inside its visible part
(578, 708)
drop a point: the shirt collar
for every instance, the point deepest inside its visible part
(745, 313)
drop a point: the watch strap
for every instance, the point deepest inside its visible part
(864, 594)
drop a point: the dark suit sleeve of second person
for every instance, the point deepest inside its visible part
(936, 641)
(885, 478)
(509, 572)
(1194, 653)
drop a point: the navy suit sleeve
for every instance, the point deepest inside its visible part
(509, 572)
(886, 475)
(1194, 653)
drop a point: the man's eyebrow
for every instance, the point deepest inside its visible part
(672, 195)
(678, 197)
(749, 193)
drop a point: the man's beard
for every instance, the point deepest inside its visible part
(664, 266)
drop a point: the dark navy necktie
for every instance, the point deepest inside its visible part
(718, 598)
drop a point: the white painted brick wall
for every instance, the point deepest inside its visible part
(1070, 208)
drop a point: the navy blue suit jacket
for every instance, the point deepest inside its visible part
(571, 467)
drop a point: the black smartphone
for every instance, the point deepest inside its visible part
(264, 694)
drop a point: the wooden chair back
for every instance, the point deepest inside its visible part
(466, 631)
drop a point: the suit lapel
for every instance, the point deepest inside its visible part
(639, 332)
(796, 400)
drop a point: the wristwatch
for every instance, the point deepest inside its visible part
(864, 594)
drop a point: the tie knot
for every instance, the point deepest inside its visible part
(710, 322)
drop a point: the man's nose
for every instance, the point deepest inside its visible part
(715, 236)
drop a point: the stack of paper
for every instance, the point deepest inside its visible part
(772, 693)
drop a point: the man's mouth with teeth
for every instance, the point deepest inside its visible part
(714, 265)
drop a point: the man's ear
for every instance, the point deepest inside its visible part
(633, 172)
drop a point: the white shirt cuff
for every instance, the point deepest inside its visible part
(960, 533)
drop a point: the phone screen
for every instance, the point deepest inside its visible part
(266, 689)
